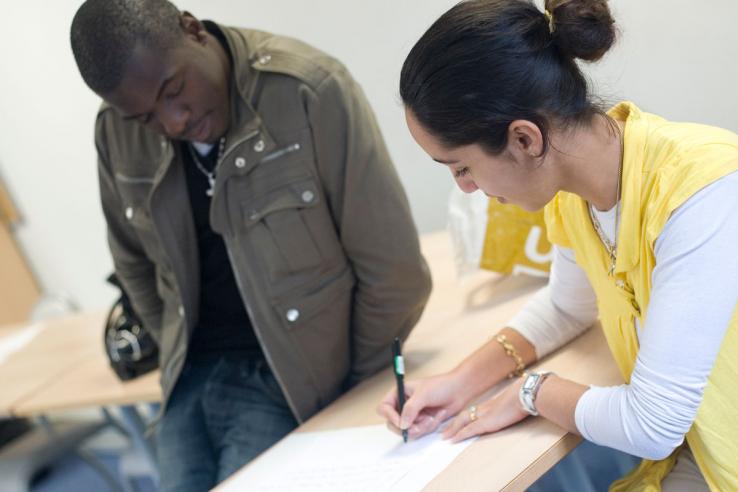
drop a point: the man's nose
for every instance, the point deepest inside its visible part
(173, 120)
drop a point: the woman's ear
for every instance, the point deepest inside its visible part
(525, 140)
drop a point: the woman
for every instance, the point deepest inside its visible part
(641, 211)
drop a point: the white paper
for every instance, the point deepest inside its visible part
(13, 343)
(356, 459)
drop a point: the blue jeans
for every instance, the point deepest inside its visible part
(222, 413)
(589, 468)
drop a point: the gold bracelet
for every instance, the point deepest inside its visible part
(511, 352)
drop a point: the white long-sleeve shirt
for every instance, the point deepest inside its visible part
(694, 294)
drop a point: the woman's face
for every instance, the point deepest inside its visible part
(517, 175)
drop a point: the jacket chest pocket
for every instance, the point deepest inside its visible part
(280, 227)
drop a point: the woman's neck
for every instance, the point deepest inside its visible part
(590, 158)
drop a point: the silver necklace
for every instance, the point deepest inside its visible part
(210, 175)
(611, 246)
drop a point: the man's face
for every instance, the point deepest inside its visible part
(181, 93)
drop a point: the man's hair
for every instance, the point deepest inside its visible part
(104, 34)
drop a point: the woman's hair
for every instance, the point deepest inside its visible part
(485, 63)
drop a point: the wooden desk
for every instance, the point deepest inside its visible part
(91, 383)
(42, 377)
(462, 315)
(65, 368)
(61, 345)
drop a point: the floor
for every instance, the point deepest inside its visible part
(73, 475)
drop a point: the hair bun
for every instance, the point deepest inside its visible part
(583, 29)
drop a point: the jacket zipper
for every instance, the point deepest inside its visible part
(279, 153)
(239, 283)
(269, 359)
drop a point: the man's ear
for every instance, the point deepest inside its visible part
(192, 27)
(525, 140)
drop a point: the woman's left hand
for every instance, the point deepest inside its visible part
(498, 412)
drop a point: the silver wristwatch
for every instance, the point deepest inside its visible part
(529, 390)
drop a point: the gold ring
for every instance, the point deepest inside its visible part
(472, 413)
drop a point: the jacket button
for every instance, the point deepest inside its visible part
(307, 196)
(259, 146)
(292, 315)
(181, 311)
(240, 162)
(265, 59)
(254, 215)
(129, 213)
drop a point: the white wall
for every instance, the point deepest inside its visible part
(676, 57)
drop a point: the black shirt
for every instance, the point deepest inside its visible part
(223, 325)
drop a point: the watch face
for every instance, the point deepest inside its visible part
(529, 382)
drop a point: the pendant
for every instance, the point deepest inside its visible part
(613, 260)
(211, 182)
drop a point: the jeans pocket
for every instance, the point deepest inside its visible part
(270, 385)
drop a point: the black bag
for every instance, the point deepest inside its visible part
(131, 350)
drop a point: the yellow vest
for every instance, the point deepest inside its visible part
(664, 164)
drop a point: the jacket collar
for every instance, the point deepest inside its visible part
(244, 120)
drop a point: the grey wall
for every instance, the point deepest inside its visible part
(675, 57)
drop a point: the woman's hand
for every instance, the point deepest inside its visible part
(429, 402)
(500, 411)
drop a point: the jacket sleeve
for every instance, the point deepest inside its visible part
(135, 271)
(372, 215)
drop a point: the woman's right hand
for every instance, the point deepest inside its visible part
(428, 403)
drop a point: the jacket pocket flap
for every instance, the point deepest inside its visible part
(299, 194)
(301, 308)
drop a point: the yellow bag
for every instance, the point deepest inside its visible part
(515, 241)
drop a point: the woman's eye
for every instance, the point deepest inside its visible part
(460, 173)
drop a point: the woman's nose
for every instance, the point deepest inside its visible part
(467, 185)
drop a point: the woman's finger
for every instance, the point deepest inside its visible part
(413, 406)
(394, 429)
(463, 418)
(469, 430)
(387, 408)
(426, 422)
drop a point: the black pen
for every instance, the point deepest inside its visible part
(399, 368)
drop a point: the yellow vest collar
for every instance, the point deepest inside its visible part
(630, 198)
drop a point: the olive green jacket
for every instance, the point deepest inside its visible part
(315, 221)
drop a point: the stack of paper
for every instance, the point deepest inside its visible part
(355, 459)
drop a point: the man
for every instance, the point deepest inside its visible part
(255, 219)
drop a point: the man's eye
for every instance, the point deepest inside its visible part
(177, 92)
(145, 119)
(460, 173)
